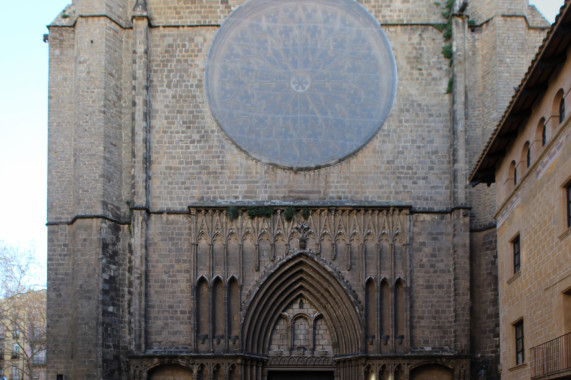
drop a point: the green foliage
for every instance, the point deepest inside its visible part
(447, 51)
(262, 212)
(233, 213)
(446, 28)
(447, 31)
(450, 86)
(289, 213)
(305, 213)
(440, 27)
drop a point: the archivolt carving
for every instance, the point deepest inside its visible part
(328, 266)
(303, 274)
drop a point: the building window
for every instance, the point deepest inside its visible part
(15, 373)
(543, 135)
(568, 191)
(562, 110)
(526, 156)
(519, 347)
(515, 176)
(37, 333)
(512, 175)
(15, 351)
(517, 254)
(39, 358)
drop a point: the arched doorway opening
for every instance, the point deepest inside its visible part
(304, 314)
(300, 375)
(432, 372)
(170, 372)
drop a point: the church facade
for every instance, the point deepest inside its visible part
(269, 190)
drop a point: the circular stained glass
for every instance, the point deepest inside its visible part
(300, 84)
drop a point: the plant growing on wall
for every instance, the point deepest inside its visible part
(289, 213)
(446, 29)
(262, 212)
(233, 213)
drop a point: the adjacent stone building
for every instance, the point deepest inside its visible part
(276, 189)
(23, 336)
(529, 160)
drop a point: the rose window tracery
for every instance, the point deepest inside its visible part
(300, 84)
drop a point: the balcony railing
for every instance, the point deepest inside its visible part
(551, 358)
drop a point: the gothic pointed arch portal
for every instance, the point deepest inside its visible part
(170, 372)
(303, 277)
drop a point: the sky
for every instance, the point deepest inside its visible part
(23, 124)
(23, 121)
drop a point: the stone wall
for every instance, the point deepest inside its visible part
(193, 160)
